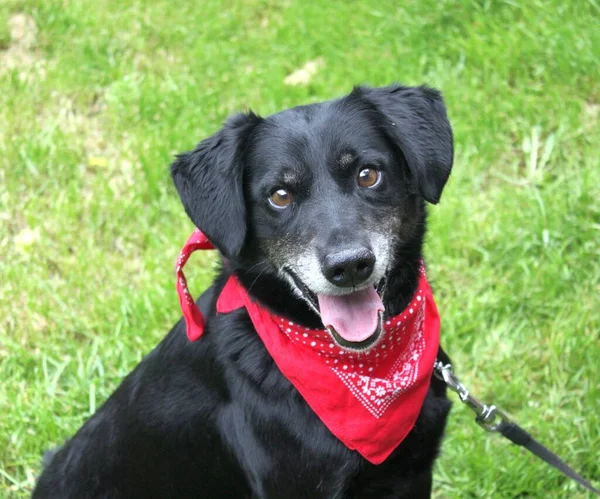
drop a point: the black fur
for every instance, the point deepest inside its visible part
(216, 418)
(223, 218)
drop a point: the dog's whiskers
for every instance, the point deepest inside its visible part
(263, 262)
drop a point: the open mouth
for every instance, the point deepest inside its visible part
(354, 320)
(359, 345)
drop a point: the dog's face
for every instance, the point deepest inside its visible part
(320, 196)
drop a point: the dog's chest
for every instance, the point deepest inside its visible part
(290, 453)
(283, 448)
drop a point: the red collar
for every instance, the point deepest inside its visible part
(370, 401)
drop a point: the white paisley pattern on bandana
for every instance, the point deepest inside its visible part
(378, 393)
(380, 375)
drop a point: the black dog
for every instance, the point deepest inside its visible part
(318, 199)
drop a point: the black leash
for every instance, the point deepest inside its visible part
(492, 419)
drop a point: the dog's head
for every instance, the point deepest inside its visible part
(318, 198)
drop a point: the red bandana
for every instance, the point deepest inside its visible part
(371, 400)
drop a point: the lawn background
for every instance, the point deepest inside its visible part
(96, 97)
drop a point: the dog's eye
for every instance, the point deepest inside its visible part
(369, 177)
(280, 199)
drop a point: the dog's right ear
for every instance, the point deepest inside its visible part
(209, 182)
(414, 119)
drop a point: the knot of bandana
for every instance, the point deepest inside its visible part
(194, 320)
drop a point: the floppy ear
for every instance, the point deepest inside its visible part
(209, 182)
(414, 119)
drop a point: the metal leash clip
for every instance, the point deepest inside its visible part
(489, 417)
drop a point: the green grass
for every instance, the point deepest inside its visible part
(98, 99)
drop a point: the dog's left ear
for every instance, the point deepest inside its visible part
(209, 181)
(414, 119)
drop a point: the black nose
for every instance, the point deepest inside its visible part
(348, 268)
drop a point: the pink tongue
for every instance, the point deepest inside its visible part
(354, 316)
